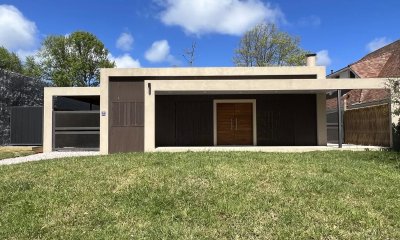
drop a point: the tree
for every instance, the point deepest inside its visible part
(265, 45)
(392, 85)
(10, 61)
(74, 60)
(189, 54)
(32, 68)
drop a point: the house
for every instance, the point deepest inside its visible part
(162, 109)
(382, 63)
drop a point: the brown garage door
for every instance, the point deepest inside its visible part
(126, 103)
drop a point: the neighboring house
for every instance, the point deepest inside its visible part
(170, 109)
(382, 63)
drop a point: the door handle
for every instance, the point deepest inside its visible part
(236, 123)
(231, 124)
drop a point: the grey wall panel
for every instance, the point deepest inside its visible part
(26, 125)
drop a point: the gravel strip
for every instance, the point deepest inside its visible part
(45, 156)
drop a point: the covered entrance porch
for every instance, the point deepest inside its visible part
(260, 119)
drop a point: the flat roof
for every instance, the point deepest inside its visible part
(213, 71)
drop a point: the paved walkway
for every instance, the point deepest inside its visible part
(45, 156)
(329, 147)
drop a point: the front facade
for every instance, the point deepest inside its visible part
(147, 109)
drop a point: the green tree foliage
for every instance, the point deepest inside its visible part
(10, 61)
(392, 85)
(32, 68)
(265, 45)
(74, 60)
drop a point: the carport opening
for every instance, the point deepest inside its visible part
(76, 123)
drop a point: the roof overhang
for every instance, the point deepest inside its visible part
(251, 85)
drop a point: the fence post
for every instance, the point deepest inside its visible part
(340, 130)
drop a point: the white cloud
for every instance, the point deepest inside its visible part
(125, 42)
(22, 54)
(16, 32)
(125, 61)
(323, 58)
(377, 43)
(158, 52)
(232, 17)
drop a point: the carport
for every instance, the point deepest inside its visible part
(74, 124)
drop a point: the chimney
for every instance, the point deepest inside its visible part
(311, 59)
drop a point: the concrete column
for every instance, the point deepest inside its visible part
(47, 121)
(149, 117)
(321, 119)
(340, 118)
(104, 110)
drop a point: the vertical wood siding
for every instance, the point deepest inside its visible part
(126, 101)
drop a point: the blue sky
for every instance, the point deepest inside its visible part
(154, 33)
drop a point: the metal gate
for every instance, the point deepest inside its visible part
(76, 130)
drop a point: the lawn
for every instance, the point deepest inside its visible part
(12, 152)
(236, 195)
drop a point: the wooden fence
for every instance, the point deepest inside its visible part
(368, 126)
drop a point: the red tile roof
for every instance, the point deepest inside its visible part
(359, 96)
(382, 63)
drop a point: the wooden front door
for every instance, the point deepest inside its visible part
(234, 123)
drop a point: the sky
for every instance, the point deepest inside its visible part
(155, 33)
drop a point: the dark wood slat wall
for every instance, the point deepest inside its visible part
(282, 119)
(304, 116)
(183, 122)
(126, 103)
(287, 120)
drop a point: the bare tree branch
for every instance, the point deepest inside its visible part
(189, 54)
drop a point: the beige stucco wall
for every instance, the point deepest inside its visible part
(49, 93)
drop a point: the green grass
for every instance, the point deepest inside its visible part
(317, 195)
(13, 153)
